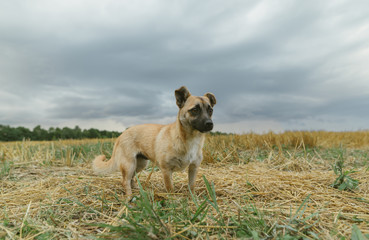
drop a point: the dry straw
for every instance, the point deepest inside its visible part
(273, 191)
(276, 186)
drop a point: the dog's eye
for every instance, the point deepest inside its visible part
(210, 110)
(195, 111)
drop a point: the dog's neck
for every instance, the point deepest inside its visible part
(187, 133)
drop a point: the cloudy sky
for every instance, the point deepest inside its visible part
(273, 65)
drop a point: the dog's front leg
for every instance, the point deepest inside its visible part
(167, 175)
(192, 172)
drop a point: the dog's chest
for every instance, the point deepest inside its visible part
(193, 150)
(192, 155)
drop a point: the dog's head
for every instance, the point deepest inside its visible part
(195, 112)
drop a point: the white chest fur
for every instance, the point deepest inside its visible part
(192, 155)
(193, 150)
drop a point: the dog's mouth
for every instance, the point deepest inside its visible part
(202, 126)
(206, 127)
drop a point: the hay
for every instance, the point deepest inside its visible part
(39, 191)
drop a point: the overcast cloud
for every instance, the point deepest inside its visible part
(273, 65)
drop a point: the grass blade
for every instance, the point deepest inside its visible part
(211, 191)
(357, 234)
(300, 211)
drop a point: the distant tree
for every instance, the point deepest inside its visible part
(77, 133)
(51, 133)
(23, 133)
(58, 134)
(39, 134)
(67, 133)
(8, 133)
(92, 133)
(217, 133)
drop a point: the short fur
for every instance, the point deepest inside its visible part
(174, 147)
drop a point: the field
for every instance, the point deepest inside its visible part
(294, 185)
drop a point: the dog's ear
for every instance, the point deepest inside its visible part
(212, 98)
(182, 94)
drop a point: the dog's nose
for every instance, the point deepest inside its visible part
(209, 124)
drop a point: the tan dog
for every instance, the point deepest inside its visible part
(173, 147)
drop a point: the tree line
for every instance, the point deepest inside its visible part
(8, 133)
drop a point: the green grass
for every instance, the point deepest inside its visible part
(86, 210)
(5, 168)
(175, 219)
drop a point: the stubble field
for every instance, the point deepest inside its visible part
(294, 185)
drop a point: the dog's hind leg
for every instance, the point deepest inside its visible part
(141, 164)
(127, 166)
(128, 171)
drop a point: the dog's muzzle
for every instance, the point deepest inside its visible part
(209, 125)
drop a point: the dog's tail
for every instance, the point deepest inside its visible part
(101, 166)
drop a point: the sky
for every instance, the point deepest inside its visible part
(272, 65)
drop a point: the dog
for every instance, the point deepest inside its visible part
(174, 147)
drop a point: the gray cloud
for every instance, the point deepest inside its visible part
(280, 61)
(100, 105)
